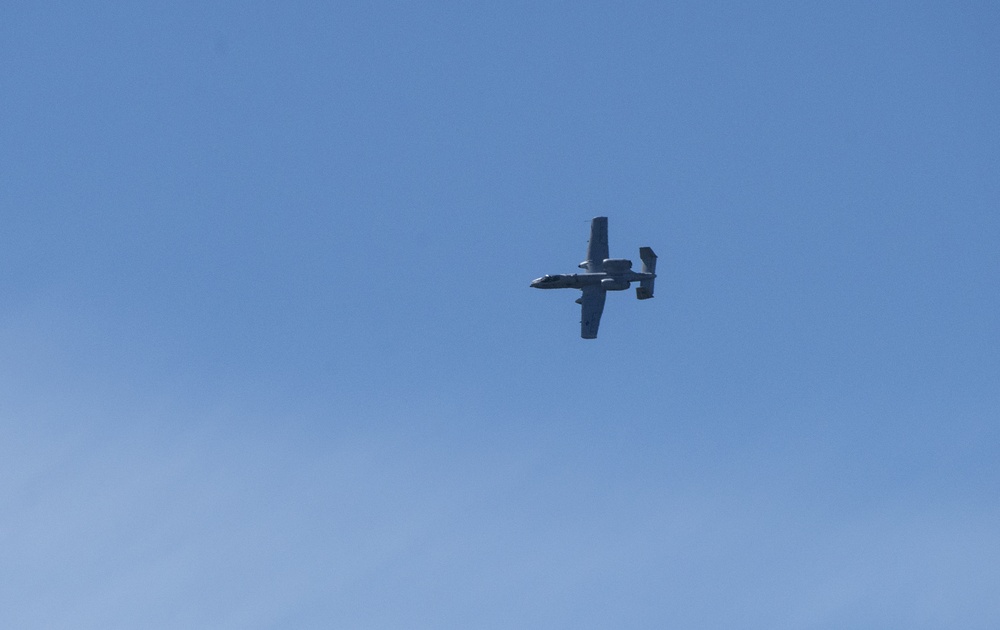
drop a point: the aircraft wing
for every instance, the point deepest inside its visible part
(592, 304)
(597, 246)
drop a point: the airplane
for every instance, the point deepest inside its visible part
(602, 274)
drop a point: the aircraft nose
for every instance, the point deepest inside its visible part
(536, 282)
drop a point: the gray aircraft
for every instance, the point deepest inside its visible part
(602, 274)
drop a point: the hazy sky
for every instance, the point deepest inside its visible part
(270, 358)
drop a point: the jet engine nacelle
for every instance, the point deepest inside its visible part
(617, 265)
(614, 284)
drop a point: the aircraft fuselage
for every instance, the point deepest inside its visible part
(616, 281)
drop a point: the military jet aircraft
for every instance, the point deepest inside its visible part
(602, 274)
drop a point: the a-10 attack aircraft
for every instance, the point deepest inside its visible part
(603, 274)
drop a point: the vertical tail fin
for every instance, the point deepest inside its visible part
(645, 289)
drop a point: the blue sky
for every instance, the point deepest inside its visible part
(271, 359)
